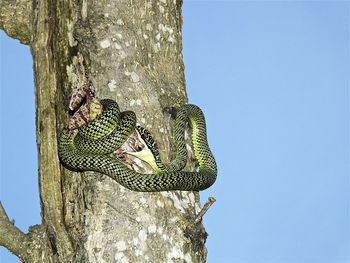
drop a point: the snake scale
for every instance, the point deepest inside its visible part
(88, 149)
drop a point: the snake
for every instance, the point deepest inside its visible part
(89, 148)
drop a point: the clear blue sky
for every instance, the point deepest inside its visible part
(272, 78)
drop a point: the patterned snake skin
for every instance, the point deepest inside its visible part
(88, 149)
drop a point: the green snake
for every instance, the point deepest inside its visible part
(88, 149)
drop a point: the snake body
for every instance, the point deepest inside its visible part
(88, 149)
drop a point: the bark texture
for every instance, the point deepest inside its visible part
(132, 51)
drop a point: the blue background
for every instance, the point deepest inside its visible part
(272, 78)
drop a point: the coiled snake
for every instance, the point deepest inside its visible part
(88, 149)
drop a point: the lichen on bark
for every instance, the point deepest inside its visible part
(16, 19)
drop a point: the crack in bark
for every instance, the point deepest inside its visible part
(122, 213)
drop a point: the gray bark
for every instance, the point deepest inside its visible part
(132, 51)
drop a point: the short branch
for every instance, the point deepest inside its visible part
(205, 208)
(11, 237)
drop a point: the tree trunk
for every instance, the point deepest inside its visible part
(132, 52)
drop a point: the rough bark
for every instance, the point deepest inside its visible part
(132, 52)
(16, 18)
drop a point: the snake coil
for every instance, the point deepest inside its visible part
(88, 149)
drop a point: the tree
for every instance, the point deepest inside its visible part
(132, 51)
